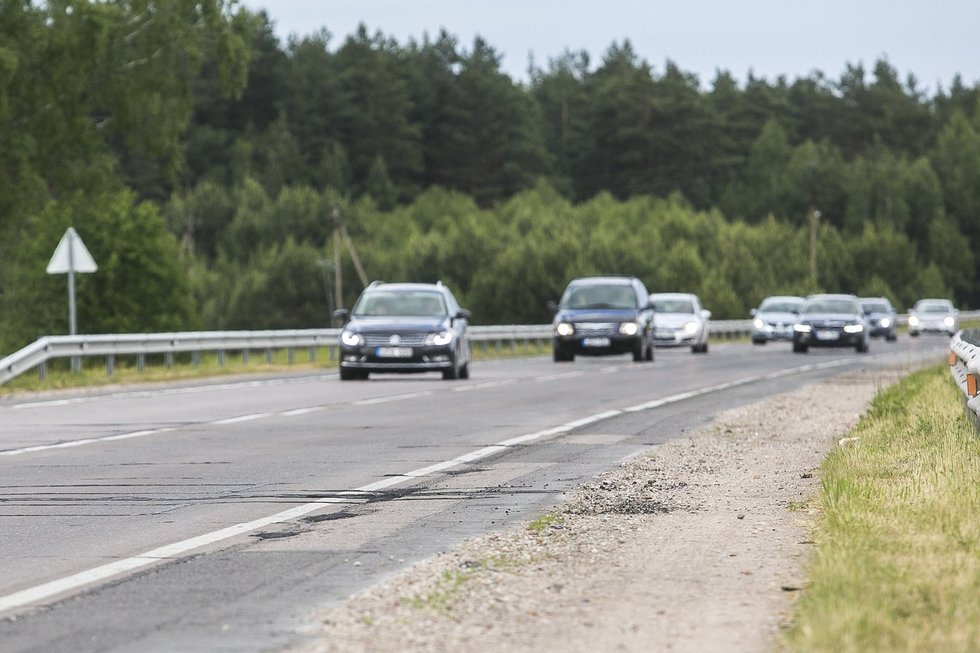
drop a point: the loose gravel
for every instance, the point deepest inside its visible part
(696, 545)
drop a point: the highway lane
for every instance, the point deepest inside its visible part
(154, 467)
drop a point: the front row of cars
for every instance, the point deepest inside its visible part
(419, 327)
(845, 321)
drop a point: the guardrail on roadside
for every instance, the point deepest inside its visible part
(141, 345)
(964, 364)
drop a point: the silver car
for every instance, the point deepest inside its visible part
(933, 316)
(774, 319)
(680, 321)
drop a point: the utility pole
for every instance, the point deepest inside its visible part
(340, 232)
(814, 219)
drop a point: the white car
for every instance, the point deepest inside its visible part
(680, 321)
(774, 319)
(933, 316)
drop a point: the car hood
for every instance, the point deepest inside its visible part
(830, 319)
(674, 320)
(401, 324)
(778, 316)
(595, 315)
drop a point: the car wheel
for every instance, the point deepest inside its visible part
(638, 354)
(704, 347)
(914, 334)
(799, 348)
(451, 374)
(758, 342)
(650, 352)
(891, 337)
(862, 347)
(348, 374)
(561, 357)
(464, 371)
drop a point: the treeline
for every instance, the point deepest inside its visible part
(202, 161)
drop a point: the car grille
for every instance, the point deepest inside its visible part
(596, 328)
(780, 325)
(384, 339)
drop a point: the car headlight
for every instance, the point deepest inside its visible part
(351, 339)
(802, 328)
(885, 322)
(564, 329)
(758, 324)
(439, 339)
(949, 321)
(913, 320)
(853, 328)
(690, 328)
(629, 328)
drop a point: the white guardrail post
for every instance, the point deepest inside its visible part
(964, 365)
(141, 345)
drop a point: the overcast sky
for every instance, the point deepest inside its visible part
(934, 39)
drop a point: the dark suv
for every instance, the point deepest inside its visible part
(405, 327)
(601, 316)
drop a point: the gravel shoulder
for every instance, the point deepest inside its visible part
(696, 545)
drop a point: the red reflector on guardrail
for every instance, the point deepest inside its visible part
(952, 359)
(971, 385)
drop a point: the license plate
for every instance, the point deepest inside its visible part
(595, 342)
(827, 335)
(393, 352)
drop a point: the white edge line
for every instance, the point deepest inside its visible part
(69, 583)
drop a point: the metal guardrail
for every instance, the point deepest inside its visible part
(48, 348)
(964, 365)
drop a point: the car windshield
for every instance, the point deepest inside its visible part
(876, 307)
(402, 302)
(679, 305)
(779, 306)
(830, 306)
(934, 308)
(599, 296)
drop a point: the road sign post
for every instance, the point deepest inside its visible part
(70, 257)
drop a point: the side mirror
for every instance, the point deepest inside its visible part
(649, 307)
(552, 305)
(705, 314)
(463, 314)
(342, 314)
(752, 312)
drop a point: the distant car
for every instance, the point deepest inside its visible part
(405, 327)
(679, 320)
(774, 318)
(603, 316)
(933, 316)
(831, 321)
(882, 318)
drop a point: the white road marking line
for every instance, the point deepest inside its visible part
(69, 583)
(242, 418)
(78, 443)
(385, 400)
(481, 386)
(555, 377)
(301, 411)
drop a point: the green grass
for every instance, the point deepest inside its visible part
(897, 564)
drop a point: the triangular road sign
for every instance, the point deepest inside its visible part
(71, 253)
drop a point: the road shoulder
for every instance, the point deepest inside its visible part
(698, 544)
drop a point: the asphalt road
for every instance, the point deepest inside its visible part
(219, 516)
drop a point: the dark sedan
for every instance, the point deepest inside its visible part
(831, 321)
(405, 327)
(602, 316)
(882, 317)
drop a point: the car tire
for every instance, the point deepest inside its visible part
(464, 371)
(639, 355)
(862, 347)
(650, 352)
(891, 337)
(561, 357)
(451, 374)
(914, 334)
(348, 374)
(704, 347)
(758, 342)
(799, 348)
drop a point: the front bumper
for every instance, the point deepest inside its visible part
(773, 333)
(828, 337)
(603, 345)
(380, 359)
(673, 338)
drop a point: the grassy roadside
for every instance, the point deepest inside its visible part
(897, 563)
